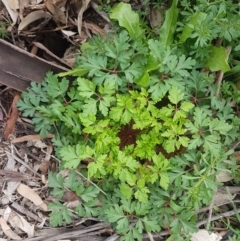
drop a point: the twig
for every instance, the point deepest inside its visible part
(113, 237)
(150, 236)
(210, 213)
(213, 218)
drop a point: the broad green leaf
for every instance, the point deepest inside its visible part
(164, 180)
(186, 106)
(57, 192)
(115, 213)
(142, 209)
(87, 209)
(90, 107)
(127, 18)
(71, 155)
(56, 219)
(169, 145)
(183, 140)
(152, 64)
(90, 193)
(71, 179)
(218, 60)
(175, 95)
(175, 207)
(60, 213)
(169, 26)
(141, 194)
(194, 22)
(151, 225)
(86, 87)
(139, 226)
(126, 190)
(55, 181)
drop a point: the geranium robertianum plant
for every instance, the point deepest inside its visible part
(142, 121)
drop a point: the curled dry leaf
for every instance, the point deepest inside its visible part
(30, 194)
(33, 16)
(12, 117)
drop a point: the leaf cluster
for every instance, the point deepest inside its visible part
(72, 188)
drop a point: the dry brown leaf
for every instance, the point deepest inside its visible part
(57, 13)
(13, 14)
(69, 196)
(48, 153)
(12, 117)
(37, 143)
(80, 14)
(30, 138)
(224, 177)
(44, 167)
(33, 16)
(68, 33)
(95, 29)
(156, 18)
(13, 4)
(7, 230)
(30, 194)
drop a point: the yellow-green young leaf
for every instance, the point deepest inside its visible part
(127, 18)
(96, 167)
(126, 190)
(183, 140)
(186, 106)
(164, 180)
(141, 183)
(194, 22)
(218, 60)
(87, 120)
(175, 95)
(131, 178)
(141, 194)
(168, 28)
(179, 114)
(169, 145)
